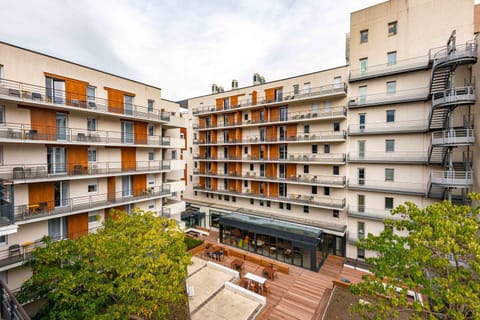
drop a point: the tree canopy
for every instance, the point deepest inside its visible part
(434, 252)
(135, 267)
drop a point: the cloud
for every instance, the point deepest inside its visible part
(185, 46)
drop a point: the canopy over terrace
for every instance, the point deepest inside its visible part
(293, 243)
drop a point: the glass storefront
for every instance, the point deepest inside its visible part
(300, 245)
(193, 219)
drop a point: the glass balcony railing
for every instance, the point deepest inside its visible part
(383, 156)
(317, 92)
(398, 96)
(387, 127)
(406, 65)
(392, 186)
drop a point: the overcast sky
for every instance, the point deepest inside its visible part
(184, 46)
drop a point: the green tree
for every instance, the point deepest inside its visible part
(133, 268)
(435, 252)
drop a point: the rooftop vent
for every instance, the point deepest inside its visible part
(258, 79)
(234, 84)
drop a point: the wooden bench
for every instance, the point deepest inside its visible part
(282, 268)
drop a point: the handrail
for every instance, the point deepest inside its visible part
(387, 185)
(371, 127)
(454, 95)
(398, 66)
(294, 157)
(383, 97)
(35, 93)
(447, 53)
(36, 210)
(388, 156)
(285, 96)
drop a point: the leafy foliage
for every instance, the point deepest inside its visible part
(435, 252)
(133, 268)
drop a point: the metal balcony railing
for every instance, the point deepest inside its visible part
(387, 127)
(324, 202)
(452, 178)
(42, 171)
(327, 90)
(382, 156)
(326, 113)
(398, 96)
(25, 133)
(10, 308)
(447, 54)
(368, 213)
(166, 212)
(393, 186)
(31, 93)
(399, 66)
(454, 96)
(293, 157)
(31, 211)
(453, 137)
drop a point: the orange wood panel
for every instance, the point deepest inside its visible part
(75, 89)
(139, 184)
(238, 185)
(214, 183)
(213, 120)
(129, 161)
(270, 95)
(202, 182)
(231, 118)
(201, 122)
(213, 136)
(231, 185)
(238, 117)
(270, 131)
(255, 116)
(115, 99)
(255, 187)
(77, 159)
(254, 97)
(42, 192)
(273, 189)
(140, 129)
(291, 170)
(274, 114)
(274, 151)
(291, 131)
(219, 104)
(232, 134)
(184, 132)
(111, 188)
(231, 168)
(238, 134)
(185, 175)
(77, 225)
(44, 121)
(214, 152)
(238, 152)
(234, 101)
(255, 151)
(231, 152)
(202, 167)
(214, 167)
(238, 168)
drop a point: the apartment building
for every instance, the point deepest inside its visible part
(76, 142)
(302, 167)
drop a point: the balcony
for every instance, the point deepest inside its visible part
(31, 94)
(411, 126)
(453, 137)
(15, 132)
(327, 91)
(175, 186)
(35, 172)
(369, 213)
(388, 157)
(400, 96)
(461, 54)
(173, 209)
(320, 158)
(10, 308)
(452, 178)
(303, 179)
(354, 237)
(398, 187)
(291, 117)
(387, 69)
(454, 97)
(304, 200)
(46, 210)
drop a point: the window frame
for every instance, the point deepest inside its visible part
(389, 203)
(364, 36)
(389, 145)
(92, 154)
(390, 116)
(392, 28)
(391, 62)
(391, 87)
(150, 103)
(389, 174)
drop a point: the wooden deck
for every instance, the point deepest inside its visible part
(298, 295)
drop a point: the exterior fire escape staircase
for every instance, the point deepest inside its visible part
(447, 135)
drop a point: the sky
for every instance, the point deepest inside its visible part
(184, 46)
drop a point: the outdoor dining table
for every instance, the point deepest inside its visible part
(252, 277)
(237, 264)
(270, 272)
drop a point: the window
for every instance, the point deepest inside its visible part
(326, 148)
(219, 197)
(191, 178)
(93, 218)
(337, 82)
(361, 202)
(336, 170)
(150, 105)
(92, 155)
(336, 126)
(1, 74)
(305, 209)
(268, 203)
(174, 154)
(226, 103)
(57, 228)
(392, 28)
(388, 203)
(91, 94)
(252, 201)
(361, 229)
(280, 205)
(261, 203)
(306, 87)
(391, 87)
(363, 64)
(55, 90)
(252, 167)
(314, 189)
(306, 169)
(3, 239)
(314, 148)
(389, 145)
(391, 58)
(364, 36)
(150, 130)
(151, 155)
(335, 214)
(226, 197)
(91, 124)
(234, 199)
(245, 150)
(360, 253)
(389, 174)
(289, 206)
(362, 117)
(362, 94)
(245, 116)
(93, 186)
(128, 105)
(278, 94)
(326, 191)
(283, 113)
(296, 89)
(390, 115)
(306, 128)
(127, 186)
(56, 160)
(361, 149)
(245, 183)
(1, 154)
(60, 193)
(195, 164)
(127, 132)
(361, 176)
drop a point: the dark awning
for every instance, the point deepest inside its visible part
(274, 228)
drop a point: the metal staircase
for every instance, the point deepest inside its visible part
(455, 178)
